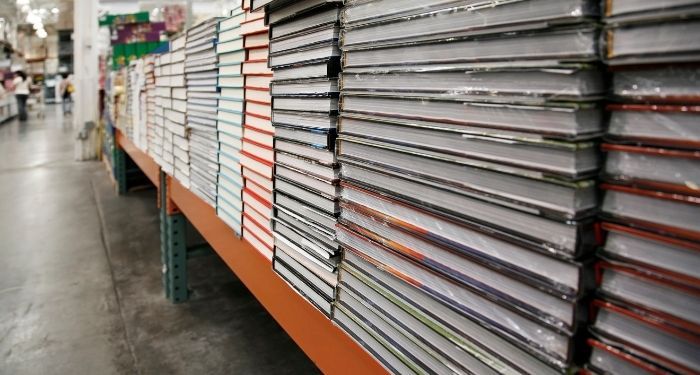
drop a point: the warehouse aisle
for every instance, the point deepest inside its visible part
(80, 288)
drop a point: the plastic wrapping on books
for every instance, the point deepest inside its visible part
(654, 42)
(652, 251)
(644, 334)
(566, 279)
(574, 120)
(670, 214)
(310, 21)
(396, 23)
(607, 359)
(625, 11)
(519, 329)
(655, 125)
(568, 240)
(304, 55)
(663, 293)
(551, 201)
(656, 168)
(440, 267)
(668, 84)
(320, 35)
(536, 86)
(278, 11)
(551, 160)
(564, 45)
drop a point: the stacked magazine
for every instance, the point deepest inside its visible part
(468, 151)
(304, 56)
(229, 119)
(257, 155)
(201, 72)
(646, 315)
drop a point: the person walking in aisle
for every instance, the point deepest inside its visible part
(66, 89)
(22, 84)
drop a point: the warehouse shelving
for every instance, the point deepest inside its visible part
(331, 349)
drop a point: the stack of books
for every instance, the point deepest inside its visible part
(201, 73)
(646, 315)
(304, 37)
(175, 114)
(257, 155)
(149, 69)
(229, 120)
(132, 95)
(163, 137)
(468, 151)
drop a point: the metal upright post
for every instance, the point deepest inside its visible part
(173, 247)
(120, 170)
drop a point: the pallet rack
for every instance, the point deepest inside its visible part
(331, 349)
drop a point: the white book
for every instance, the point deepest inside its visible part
(230, 34)
(261, 81)
(253, 26)
(231, 69)
(232, 92)
(256, 165)
(258, 109)
(235, 130)
(178, 43)
(230, 140)
(258, 95)
(177, 80)
(177, 117)
(230, 46)
(258, 53)
(179, 105)
(258, 136)
(257, 244)
(256, 40)
(232, 57)
(258, 122)
(178, 56)
(258, 179)
(259, 219)
(232, 22)
(231, 81)
(231, 105)
(259, 151)
(235, 118)
(257, 205)
(256, 67)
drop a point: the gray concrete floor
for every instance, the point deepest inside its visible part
(80, 281)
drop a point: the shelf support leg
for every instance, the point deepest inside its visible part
(120, 170)
(173, 248)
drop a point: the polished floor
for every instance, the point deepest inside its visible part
(80, 277)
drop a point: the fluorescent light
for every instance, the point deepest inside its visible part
(55, 10)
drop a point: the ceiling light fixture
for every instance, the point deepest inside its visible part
(55, 10)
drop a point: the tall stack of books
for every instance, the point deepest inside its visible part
(468, 163)
(304, 56)
(149, 68)
(257, 155)
(202, 72)
(646, 316)
(229, 122)
(132, 97)
(163, 137)
(175, 114)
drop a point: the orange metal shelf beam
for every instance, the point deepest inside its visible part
(145, 162)
(331, 349)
